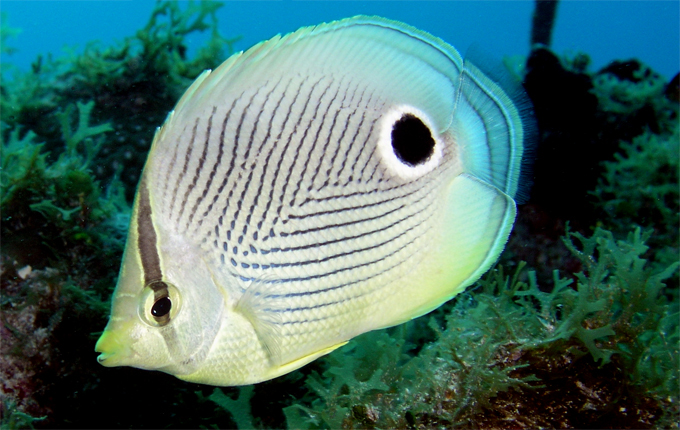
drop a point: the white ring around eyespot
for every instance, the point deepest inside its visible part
(386, 152)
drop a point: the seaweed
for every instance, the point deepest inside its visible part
(600, 348)
(144, 77)
(54, 213)
(485, 365)
(640, 187)
(239, 408)
(134, 84)
(12, 418)
(50, 206)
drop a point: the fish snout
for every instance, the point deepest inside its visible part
(114, 348)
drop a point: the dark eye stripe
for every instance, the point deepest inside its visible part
(146, 238)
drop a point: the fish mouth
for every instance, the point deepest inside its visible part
(112, 349)
(103, 358)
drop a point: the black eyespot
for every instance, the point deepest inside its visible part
(411, 140)
(161, 307)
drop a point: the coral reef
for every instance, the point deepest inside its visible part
(584, 334)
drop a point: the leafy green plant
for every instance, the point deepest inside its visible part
(12, 418)
(134, 85)
(239, 408)
(640, 187)
(57, 205)
(642, 323)
(499, 335)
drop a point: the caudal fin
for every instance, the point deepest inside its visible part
(495, 128)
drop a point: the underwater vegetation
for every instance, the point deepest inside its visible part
(140, 78)
(511, 354)
(577, 326)
(583, 175)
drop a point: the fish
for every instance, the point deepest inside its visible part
(343, 178)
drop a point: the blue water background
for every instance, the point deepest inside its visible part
(606, 30)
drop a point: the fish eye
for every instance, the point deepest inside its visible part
(159, 303)
(408, 144)
(161, 307)
(412, 140)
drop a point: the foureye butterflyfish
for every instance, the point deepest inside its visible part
(343, 178)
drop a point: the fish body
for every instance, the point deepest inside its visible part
(340, 179)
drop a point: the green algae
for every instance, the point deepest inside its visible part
(640, 187)
(239, 408)
(493, 338)
(58, 205)
(12, 418)
(133, 84)
(601, 346)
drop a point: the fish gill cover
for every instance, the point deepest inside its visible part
(577, 326)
